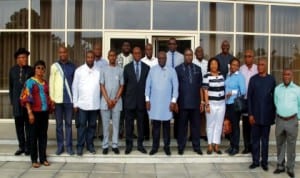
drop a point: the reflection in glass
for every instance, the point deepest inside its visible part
(257, 43)
(175, 15)
(14, 14)
(211, 44)
(252, 18)
(9, 43)
(127, 14)
(48, 14)
(44, 45)
(80, 42)
(285, 53)
(85, 14)
(216, 16)
(5, 107)
(285, 19)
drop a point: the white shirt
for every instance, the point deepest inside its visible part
(124, 60)
(248, 73)
(150, 62)
(86, 88)
(203, 65)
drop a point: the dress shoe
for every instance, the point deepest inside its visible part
(291, 174)
(228, 150)
(116, 150)
(265, 167)
(46, 163)
(278, 171)
(19, 152)
(59, 151)
(219, 152)
(153, 152)
(209, 152)
(128, 151)
(70, 151)
(79, 152)
(142, 150)
(199, 152)
(246, 151)
(167, 151)
(36, 165)
(233, 152)
(105, 151)
(180, 152)
(27, 152)
(253, 166)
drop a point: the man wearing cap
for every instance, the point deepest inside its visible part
(17, 76)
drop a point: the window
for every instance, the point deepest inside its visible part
(14, 14)
(285, 19)
(211, 44)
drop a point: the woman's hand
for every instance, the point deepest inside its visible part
(207, 108)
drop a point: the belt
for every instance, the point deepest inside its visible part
(287, 118)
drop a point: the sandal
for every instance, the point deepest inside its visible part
(46, 163)
(36, 165)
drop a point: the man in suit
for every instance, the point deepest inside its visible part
(135, 75)
(261, 111)
(18, 74)
(190, 82)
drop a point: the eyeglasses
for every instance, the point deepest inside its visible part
(246, 56)
(40, 68)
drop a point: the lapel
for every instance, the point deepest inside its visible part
(132, 70)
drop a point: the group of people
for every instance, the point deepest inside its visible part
(197, 93)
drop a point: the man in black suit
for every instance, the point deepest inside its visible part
(135, 75)
(18, 74)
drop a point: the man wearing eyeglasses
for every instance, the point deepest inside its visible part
(248, 70)
(17, 76)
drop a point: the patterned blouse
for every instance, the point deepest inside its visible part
(37, 94)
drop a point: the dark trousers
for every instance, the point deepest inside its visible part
(22, 130)
(99, 131)
(175, 125)
(86, 129)
(129, 123)
(63, 112)
(185, 116)
(146, 126)
(38, 136)
(122, 123)
(260, 143)
(234, 118)
(156, 125)
(246, 132)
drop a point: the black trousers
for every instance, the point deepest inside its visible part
(130, 114)
(146, 126)
(193, 117)
(175, 125)
(156, 126)
(38, 136)
(234, 118)
(22, 130)
(246, 132)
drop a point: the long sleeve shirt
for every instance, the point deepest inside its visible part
(86, 88)
(248, 73)
(234, 84)
(176, 56)
(202, 64)
(287, 100)
(161, 90)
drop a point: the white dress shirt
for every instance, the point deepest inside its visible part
(202, 64)
(86, 88)
(150, 62)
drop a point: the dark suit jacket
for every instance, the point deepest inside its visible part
(134, 91)
(16, 85)
(261, 99)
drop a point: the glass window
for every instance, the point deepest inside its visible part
(48, 14)
(5, 107)
(216, 16)
(80, 42)
(14, 14)
(257, 43)
(175, 15)
(44, 46)
(127, 14)
(285, 53)
(285, 19)
(85, 14)
(252, 18)
(9, 43)
(211, 44)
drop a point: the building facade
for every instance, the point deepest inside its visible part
(269, 27)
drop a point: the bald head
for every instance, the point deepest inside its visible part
(97, 49)
(162, 58)
(148, 50)
(249, 57)
(287, 76)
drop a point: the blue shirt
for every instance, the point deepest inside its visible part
(234, 83)
(287, 100)
(99, 63)
(178, 59)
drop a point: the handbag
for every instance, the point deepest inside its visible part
(240, 104)
(227, 128)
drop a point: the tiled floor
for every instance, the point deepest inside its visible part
(125, 170)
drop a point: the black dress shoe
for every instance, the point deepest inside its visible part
(92, 151)
(101, 137)
(153, 152)
(79, 152)
(167, 151)
(246, 151)
(219, 152)
(209, 152)
(278, 171)
(105, 151)
(116, 150)
(253, 166)
(228, 150)
(291, 174)
(59, 151)
(199, 152)
(265, 167)
(27, 153)
(128, 151)
(180, 152)
(233, 152)
(19, 152)
(142, 150)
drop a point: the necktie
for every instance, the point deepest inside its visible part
(21, 75)
(137, 71)
(173, 65)
(190, 73)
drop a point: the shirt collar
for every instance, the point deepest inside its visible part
(291, 85)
